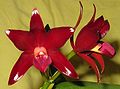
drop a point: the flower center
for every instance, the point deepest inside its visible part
(40, 52)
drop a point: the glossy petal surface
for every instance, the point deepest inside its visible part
(60, 35)
(23, 40)
(86, 40)
(36, 23)
(21, 66)
(63, 65)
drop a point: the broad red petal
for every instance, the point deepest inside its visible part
(42, 63)
(63, 65)
(59, 36)
(98, 23)
(100, 60)
(23, 40)
(91, 62)
(21, 66)
(101, 26)
(86, 39)
(36, 23)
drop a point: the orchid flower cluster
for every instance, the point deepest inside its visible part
(40, 46)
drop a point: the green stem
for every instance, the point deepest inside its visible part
(47, 84)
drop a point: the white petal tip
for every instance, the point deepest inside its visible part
(35, 11)
(17, 77)
(72, 30)
(7, 32)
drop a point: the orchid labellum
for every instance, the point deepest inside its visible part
(88, 45)
(40, 48)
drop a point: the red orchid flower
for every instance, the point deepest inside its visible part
(88, 45)
(40, 48)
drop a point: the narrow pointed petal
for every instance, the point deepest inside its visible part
(23, 40)
(36, 23)
(104, 48)
(91, 62)
(59, 36)
(20, 68)
(42, 63)
(104, 29)
(72, 42)
(93, 17)
(63, 65)
(80, 16)
(100, 60)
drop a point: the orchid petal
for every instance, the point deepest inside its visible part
(23, 40)
(36, 23)
(78, 22)
(104, 48)
(80, 16)
(86, 40)
(104, 29)
(90, 61)
(98, 23)
(42, 63)
(100, 60)
(93, 17)
(58, 36)
(63, 65)
(20, 68)
(107, 49)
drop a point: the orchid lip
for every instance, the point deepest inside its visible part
(40, 51)
(104, 48)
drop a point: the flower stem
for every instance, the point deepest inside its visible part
(49, 83)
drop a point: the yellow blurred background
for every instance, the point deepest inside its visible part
(16, 14)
